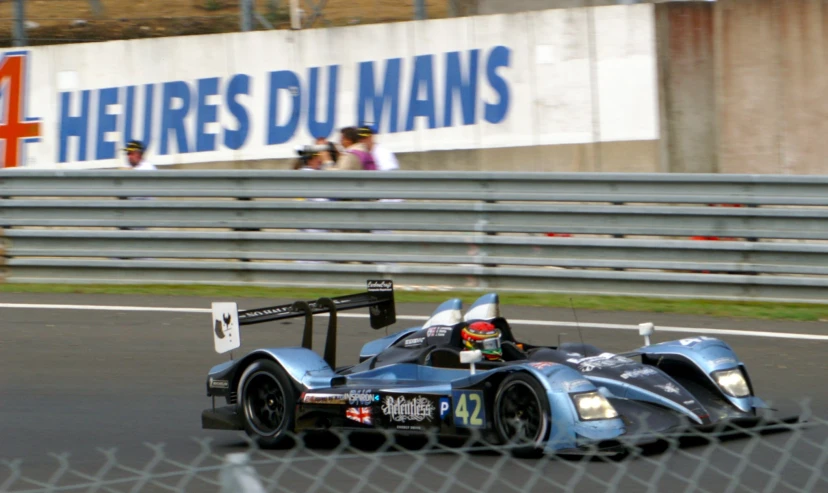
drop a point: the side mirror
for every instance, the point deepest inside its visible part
(646, 330)
(471, 357)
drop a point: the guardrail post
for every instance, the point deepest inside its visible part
(419, 10)
(19, 24)
(246, 15)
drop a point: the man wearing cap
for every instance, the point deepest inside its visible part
(135, 156)
(356, 155)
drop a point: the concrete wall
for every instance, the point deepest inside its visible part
(687, 89)
(742, 86)
(626, 157)
(772, 85)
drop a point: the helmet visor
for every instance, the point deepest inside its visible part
(491, 344)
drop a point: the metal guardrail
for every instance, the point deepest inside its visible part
(663, 188)
(630, 234)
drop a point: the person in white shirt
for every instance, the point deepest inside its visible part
(135, 156)
(383, 157)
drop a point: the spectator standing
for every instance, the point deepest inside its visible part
(384, 158)
(135, 156)
(312, 162)
(356, 156)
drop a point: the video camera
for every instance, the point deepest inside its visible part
(309, 150)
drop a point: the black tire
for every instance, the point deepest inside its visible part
(267, 401)
(522, 415)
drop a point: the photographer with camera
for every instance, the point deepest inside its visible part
(316, 157)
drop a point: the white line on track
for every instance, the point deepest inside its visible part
(545, 323)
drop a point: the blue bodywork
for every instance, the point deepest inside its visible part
(673, 380)
(311, 373)
(709, 355)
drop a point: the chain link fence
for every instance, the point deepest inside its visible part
(41, 22)
(774, 456)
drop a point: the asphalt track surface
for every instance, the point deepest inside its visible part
(77, 381)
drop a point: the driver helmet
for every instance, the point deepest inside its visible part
(483, 336)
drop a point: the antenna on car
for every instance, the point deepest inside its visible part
(578, 326)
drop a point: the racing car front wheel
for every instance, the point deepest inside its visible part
(522, 415)
(267, 402)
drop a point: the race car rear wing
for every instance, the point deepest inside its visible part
(379, 298)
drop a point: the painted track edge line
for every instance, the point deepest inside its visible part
(696, 330)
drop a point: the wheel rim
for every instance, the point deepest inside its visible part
(264, 403)
(521, 419)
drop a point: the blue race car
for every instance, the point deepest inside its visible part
(459, 375)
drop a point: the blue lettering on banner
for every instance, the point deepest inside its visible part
(499, 57)
(173, 118)
(235, 139)
(73, 125)
(106, 123)
(468, 91)
(323, 128)
(283, 80)
(183, 116)
(423, 79)
(206, 113)
(390, 92)
(146, 136)
(469, 408)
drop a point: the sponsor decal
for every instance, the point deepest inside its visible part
(669, 388)
(605, 360)
(403, 408)
(469, 411)
(221, 325)
(639, 372)
(692, 341)
(324, 398)
(265, 311)
(540, 365)
(219, 384)
(359, 414)
(687, 403)
(438, 331)
(414, 342)
(361, 397)
(723, 361)
(574, 384)
(226, 335)
(381, 286)
(445, 407)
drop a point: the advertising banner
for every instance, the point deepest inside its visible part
(537, 78)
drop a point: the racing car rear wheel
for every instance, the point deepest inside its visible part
(522, 415)
(267, 402)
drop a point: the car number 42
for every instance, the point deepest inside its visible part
(469, 411)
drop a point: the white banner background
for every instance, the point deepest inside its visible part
(561, 88)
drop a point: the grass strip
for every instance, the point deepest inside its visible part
(717, 308)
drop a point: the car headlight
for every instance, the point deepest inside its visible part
(732, 382)
(592, 405)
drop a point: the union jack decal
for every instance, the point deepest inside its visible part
(359, 414)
